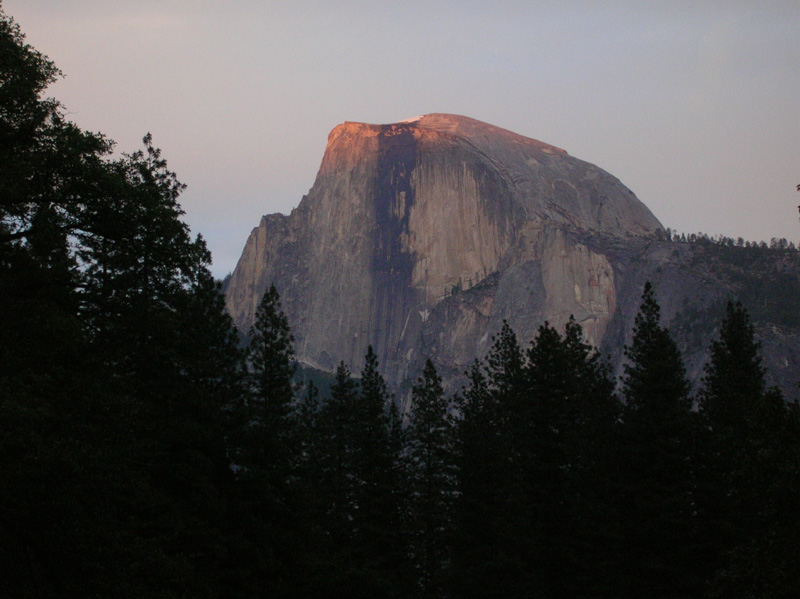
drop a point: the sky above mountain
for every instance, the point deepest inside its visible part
(692, 105)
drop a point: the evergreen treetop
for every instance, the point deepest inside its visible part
(654, 381)
(733, 384)
(271, 357)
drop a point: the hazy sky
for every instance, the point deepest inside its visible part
(695, 106)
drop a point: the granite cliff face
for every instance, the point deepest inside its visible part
(420, 237)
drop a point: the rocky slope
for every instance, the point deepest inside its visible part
(420, 237)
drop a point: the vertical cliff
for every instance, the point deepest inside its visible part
(404, 216)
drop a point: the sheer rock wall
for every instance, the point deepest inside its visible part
(405, 218)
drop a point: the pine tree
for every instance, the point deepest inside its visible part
(571, 419)
(336, 488)
(654, 384)
(337, 431)
(264, 453)
(356, 487)
(432, 481)
(264, 450)
(504, 365)
(733, 385)
(399, 485)
(533, 464)
(315, 554)
(270, 355)
(660, 545)
(308, 429)
(593, 412)
(478, 453)
(372, 449)
(486, 560)
(751, 454)
(376, 520)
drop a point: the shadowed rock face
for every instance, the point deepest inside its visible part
(402, 216)
(419, 238)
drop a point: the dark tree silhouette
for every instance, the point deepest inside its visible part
(432, 482)
(659, 530)
(751, 458)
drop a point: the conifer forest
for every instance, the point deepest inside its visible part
(147, 451)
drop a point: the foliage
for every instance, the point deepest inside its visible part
(431, 482)
(656, 462)
(533, 464)
(144, 454)
(750, 454)
(119, 364)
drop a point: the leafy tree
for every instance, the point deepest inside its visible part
(117, 366)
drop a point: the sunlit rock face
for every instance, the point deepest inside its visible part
(420, 237)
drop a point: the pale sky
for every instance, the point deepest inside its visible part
(695, 106)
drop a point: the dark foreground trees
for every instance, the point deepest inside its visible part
(751, 491)
(566, 492)
(657, 468)
(432, 481)
(143, 454)
(534, 443)
(118, 362)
